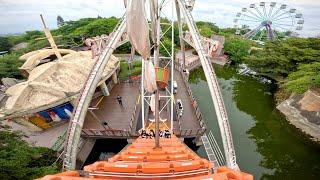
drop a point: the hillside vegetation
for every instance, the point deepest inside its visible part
(18, 160)
(293, 62)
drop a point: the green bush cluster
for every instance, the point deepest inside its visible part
(9, 66)
(207, 29)
(296, 60)
(237, 48)
(5, 45)
(18, 160)
(125, 72)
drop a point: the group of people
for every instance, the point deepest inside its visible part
(151, 134)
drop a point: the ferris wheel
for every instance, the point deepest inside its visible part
(264, 20)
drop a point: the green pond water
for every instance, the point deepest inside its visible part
(266, 145)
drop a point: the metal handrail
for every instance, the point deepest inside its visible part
(58, 145)
(133, 116)
(108, 132)
(210, 152)
(190, 132)
(218, 152)
(193, 101)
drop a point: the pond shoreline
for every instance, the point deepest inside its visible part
(266, 144)
(305, 121)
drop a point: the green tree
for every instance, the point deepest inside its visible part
(165, 47)
(31, 35)
(60, 21)
(18, 160)
(4, 44)
(97, 27)
(228, 31)
(280, 58)
(294, 62)
(237, 48)
(307, 76)
(207, 29)
(9, 66)
(16, 39)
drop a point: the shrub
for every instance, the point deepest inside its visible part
(9, 66)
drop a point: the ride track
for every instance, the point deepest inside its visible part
(76, 124)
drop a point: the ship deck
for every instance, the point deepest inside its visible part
(114, 121)
(111, 112)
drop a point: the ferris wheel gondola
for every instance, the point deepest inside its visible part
(264, 20)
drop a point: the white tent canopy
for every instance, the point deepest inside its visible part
(53, 82)
(32, 59)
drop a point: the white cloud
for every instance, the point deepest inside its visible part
(21, 15)
(223, 12)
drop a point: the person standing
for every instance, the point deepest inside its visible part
(119, 98)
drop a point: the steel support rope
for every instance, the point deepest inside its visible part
(253, 18)
(270, 12)
(256, 15)
(275, 14)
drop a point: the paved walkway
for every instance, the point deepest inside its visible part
(110, 111)
(188, 119)
(45, 138)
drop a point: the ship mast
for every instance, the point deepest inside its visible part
(156, 38)
(50, 38)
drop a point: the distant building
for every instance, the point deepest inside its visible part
(216, 56)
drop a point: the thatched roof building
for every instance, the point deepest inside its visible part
(52, 83)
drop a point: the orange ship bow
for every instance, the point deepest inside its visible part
(174, 160)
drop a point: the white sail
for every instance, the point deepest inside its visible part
(149, 81)
(138, 28)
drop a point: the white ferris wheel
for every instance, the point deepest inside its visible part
(262, 21)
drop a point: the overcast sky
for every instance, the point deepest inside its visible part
(17, 16)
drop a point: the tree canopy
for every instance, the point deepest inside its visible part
(207, 29)
(5, 44)
(237, 48)
(18, 160)
(295, 60)
(277, 60)
(60, 21)
(9, 66)
(306, 77)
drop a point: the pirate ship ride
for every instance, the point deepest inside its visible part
(158, 157)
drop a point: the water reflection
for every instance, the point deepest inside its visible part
(265, 144)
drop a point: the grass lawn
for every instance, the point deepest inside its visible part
(125, 71)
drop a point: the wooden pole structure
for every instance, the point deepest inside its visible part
(50, 38)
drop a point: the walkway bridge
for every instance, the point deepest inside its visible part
(77, 122)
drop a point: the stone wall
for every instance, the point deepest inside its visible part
(303, 111)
